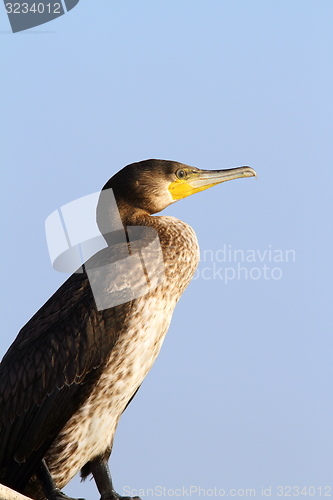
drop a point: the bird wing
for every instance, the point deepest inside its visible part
(49, 370)
(52, 365)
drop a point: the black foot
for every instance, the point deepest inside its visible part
(100, 471)
(116, 496)
(50, 490)
(59, 495)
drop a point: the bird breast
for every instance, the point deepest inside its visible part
(90, 431)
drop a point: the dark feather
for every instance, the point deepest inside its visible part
(48, 372)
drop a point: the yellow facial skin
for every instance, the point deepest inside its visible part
(194, 181)
(181, 189)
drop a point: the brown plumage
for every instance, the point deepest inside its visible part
(74, 367)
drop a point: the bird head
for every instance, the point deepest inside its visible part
(149, 186)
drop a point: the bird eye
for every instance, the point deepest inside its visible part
(181, 174)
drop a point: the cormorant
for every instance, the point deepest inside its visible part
(77, 364)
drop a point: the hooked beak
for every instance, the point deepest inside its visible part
(199, 180)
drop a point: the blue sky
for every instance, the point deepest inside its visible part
(241, 394)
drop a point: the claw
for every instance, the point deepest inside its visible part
(116, 496)
(59, 495)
